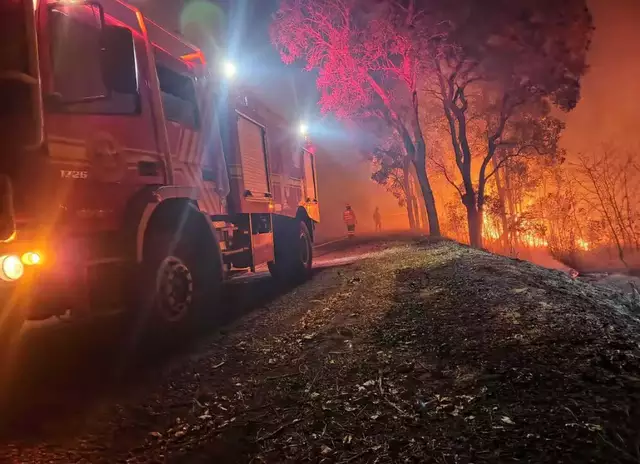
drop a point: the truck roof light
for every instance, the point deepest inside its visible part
(229, 69)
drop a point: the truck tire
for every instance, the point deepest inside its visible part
(293, 253)
(180, 284)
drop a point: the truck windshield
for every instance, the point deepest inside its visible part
(14, 53)
(18, 121)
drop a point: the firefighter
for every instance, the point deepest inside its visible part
(349, 218)
(377, 220)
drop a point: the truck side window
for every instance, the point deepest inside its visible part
(296, 167)
(178, 98)
(77, 69)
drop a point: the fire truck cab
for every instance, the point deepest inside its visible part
(131, 174)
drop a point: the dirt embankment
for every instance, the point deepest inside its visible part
(423, 352)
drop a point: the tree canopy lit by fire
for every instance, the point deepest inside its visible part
(471, 94)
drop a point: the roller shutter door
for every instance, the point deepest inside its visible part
(253, 157)
(309, 176)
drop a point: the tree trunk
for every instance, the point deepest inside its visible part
(503, 207)
(411, 216)
(427, 194)
(511, 214)
(474, 218)
(417, 213)
(408, 192)
(464, 165)
(420, 163)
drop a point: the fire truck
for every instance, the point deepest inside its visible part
(132, 176)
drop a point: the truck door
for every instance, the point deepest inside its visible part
(255, 174)
(253, 159)
(309, 177)
(310, 187)
(102, 143)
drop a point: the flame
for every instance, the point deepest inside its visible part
(528, 238)
(534, 241)
(583, 244)
(489, 230)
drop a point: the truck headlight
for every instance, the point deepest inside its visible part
(31, 258)
(11, 268)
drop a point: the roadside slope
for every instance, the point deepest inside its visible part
(422, 352)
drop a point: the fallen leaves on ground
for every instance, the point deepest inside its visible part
(423, 352)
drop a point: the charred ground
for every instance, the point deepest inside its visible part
(413, 352)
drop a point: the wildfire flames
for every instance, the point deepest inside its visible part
(583, 244)
(489, 231)
(526, 238)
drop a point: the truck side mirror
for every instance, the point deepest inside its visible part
(118, 60)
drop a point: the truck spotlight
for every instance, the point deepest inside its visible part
(11, 268)
(31, 258)
(229, 69)
(304, 129)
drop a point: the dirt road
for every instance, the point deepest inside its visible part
(397, 351)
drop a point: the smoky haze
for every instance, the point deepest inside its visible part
(608, 112)
(343, 175)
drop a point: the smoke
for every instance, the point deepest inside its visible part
(344, 177)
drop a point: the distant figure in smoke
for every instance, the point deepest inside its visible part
(350, 220)
(377, 220)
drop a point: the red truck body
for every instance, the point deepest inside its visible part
(116, 130)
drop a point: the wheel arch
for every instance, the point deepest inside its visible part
(302, 215)
(175, 212)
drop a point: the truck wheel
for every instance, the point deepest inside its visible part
(304, 263)
(181, 283)
(294, 255)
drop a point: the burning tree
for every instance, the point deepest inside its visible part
(610, 187)
(368, 57)
(530, 147)
(507, 187)
(497, 69)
